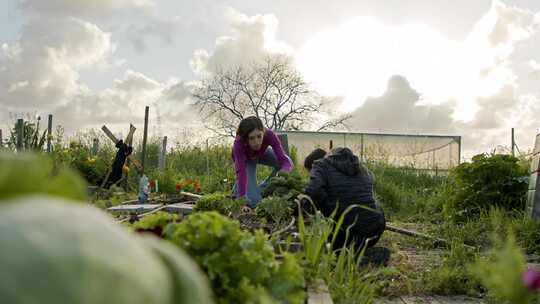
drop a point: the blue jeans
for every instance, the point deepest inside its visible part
(254, 190)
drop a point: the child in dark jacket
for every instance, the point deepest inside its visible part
(339, 180)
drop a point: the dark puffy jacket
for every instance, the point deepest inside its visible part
(339, 178)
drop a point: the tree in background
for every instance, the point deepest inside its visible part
(272, 90)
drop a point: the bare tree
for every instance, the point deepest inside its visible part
(272, 90)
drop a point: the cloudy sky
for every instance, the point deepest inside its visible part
(462, 67)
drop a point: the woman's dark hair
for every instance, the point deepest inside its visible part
(312, 157)
(247, 125)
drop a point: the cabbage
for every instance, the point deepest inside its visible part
(54, 252)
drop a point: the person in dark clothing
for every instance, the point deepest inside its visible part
(118, 164)
(339, 180)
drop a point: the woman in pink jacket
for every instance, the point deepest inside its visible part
(256, 145)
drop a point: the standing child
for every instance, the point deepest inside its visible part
(256, 145)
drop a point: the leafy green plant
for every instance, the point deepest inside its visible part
(488, 181)
(64, 245)
(240, 265)
(275, 209)
(220, 202)
(155, 223)
(286, 184)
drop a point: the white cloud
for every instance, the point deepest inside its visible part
(355, 59)
(42, 66)
(252, 39)
(163, 29)
(397, 110)
(79, 8)
(125, 100)
(535, 66)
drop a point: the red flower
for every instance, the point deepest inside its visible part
(531, 279)
(198, 189)
(178, 187)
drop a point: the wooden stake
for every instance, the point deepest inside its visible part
(145, 136)
(20, 134)
(49, 133)
(513, 143)
(163, 154)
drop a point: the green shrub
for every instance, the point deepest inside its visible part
(488, 181)
(240, 265)
(24, 174)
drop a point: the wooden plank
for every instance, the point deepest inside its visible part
(180, 208)
(113, 138)
(535, 162)
(136, 208)
(191, 195)
(318, 293)
(109, 134)
(533, 181)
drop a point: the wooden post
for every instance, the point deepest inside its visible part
(207, 158)
(513, 143)
(459, 151)
(331, 144)
(49, 133)
(361, 147)
(163, 154)
(1, 140)
(145, 137)
(95, 146)
(533, 194)
(20, 134)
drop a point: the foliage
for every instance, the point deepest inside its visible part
(33, 138)
(489, 180)
(241, 265)
(93, 167)
(453, 276)
(501, 273)
(409, 194)
(275, 209)
(155, 221)
(288, 185)
(220, 202)
(348, 283)
(52, 249)
(24, 174)
(528, 233)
